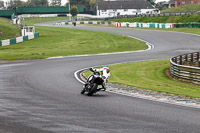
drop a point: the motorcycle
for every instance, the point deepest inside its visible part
(92, 83)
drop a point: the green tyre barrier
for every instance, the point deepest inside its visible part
(158, 25)
(12, 41)
(25, 38)
(0, 43)
(36, 35)
(127, 24)
(163, 26)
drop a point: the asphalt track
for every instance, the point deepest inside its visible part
(43, 96)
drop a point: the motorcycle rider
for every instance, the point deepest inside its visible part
(105, 73)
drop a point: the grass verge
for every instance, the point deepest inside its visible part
(186, 8)
(151, 75)
(54, 41)
(32, 21)
(167, 19)
(7, 30)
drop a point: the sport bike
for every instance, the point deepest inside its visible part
(93, 82)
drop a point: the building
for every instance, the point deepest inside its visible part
(185, 2)
(125, 7)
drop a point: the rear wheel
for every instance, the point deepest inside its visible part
(92, 90)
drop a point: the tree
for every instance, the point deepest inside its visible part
(1, 4)
(74, 11)
(35, 3)
(13, 4)
(152, 1)
(55, 3)
(92, 5)
(83, 3)
(160, 6)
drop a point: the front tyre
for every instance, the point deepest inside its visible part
(93, 89)
(83, 91)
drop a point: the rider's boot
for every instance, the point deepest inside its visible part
(103, 87)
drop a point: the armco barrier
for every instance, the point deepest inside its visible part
(18, 39)
(180, 68)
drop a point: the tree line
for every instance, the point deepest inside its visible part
(87, 4)
(13, 4)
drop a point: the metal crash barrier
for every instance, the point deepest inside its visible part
(186, 67)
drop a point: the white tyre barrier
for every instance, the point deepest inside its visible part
(5, 42)
(19, 39)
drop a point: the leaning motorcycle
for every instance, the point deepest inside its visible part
(92, 83)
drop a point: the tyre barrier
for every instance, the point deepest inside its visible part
(18, 39)
(144, 25)
(187, 25)
(86, 22)
(186, 67)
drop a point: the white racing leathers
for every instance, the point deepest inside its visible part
(105, 72)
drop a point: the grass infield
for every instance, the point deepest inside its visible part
(151, 75)
(7, 30)
(54, 41)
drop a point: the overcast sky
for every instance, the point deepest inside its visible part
(64, 1)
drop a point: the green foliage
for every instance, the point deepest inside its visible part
(1, 4)
(13, 4)
(8, 30)
(84, 3)
(186, 8)
(55, 3)
(35, 3)
(74, 11)
(167, 19)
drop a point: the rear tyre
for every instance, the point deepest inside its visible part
(92, 90)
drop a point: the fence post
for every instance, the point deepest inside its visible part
(192, 56)
(175, 59)
(198, 59)
(180, 60)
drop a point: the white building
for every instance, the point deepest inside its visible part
(123, 7)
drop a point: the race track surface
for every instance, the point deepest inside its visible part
(43, 96)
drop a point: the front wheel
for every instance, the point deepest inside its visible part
(93, 89)
(83, 91)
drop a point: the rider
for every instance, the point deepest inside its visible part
(105, 73)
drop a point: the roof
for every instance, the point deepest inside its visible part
(130, 4)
